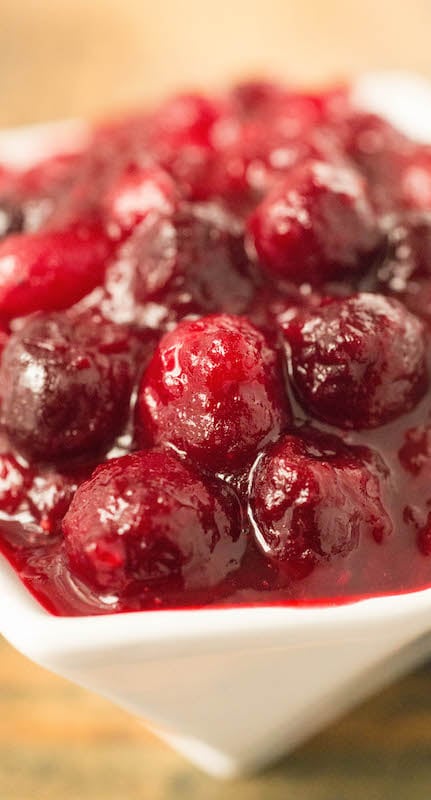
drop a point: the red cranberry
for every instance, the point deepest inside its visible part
(358, 362)
(316, 225)
(193, 262)
(312, 500)
(397, 170)
(253, 156)
(214, 390)
(50, 270)
(50, 495)
(149, 518)
(424, 538)
(68, 385)
(406, 270)
(138, 191)
(184, 120)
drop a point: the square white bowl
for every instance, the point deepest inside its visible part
(230, 688)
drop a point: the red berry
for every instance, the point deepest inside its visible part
(66, 385)
(358, 362)
(214, 390)
(193, 262)
(147, 518)
(316, 225)
(138, 191)
(51, 270)
(184, 120)
(406, 271)
(313, 500)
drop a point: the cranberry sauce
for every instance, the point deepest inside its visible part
(215, 358)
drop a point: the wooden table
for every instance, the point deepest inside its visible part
(72, 57)
(58, 742)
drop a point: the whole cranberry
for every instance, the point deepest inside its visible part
(51, 270)
(254, 155)
(405, 272)
(184, 121)
(358, 362)
(313, 499)
(191, 262)
(214, 390)
(136, 192)
(148, 518)
(66, 385)
(316, 225)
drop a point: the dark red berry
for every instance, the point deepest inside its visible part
(148, 518)
(313, 500)
(358, 362)
(213, 389)
(316, 225)
(66, 385)
(193, 262)
(51, 270)
(406, 271)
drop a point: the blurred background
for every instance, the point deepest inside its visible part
(62, 58)
(70, 57)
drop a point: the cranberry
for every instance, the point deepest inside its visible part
(50, 270)
(316, 225)
(424, 538)
(312, 500)
(252, 157)
(149, 518)
(397, 170)
(138, 191)
(256, 97)
(193, 262)
(214, 390)
(358, 362)
(184, 120)
(50, 495)
(406, 271)
(66, 385)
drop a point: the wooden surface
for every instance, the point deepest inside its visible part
(58, 742)
(66, 57)
(70, 57)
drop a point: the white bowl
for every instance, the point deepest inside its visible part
(233, 688)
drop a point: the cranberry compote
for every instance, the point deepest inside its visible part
(215, 358)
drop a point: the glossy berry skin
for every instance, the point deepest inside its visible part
(405, 273)
(49, 271)
(316, 225)
(136, 192)
(358, 362)
(66, 385)
(192, 262)
(313, 500)
(185, 120)
(149, 519)
(213, 389)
